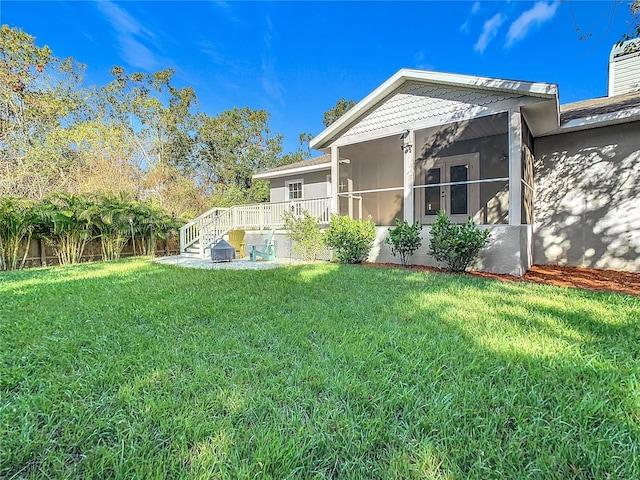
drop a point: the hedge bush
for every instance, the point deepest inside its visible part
(351, 240)
(457, 245)
(404, 239)
(306, 234)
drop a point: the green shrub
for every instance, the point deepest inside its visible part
(404, 239)
(65, 226)
(147, 223)
(457, 245)
(16, 228)
(351, 240)
(304, 231)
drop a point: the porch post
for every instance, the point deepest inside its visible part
(409, 162)
(335, 180)
(515, 167)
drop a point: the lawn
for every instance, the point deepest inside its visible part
(137, 370)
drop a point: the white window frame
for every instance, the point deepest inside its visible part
(287, 190)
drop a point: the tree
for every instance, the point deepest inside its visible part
(39, 97)
(232, 147)
(149, 222)
(140, 134)
(334, 113)
(303, 152)
(109, 216)
(634, 25)
(156, 121)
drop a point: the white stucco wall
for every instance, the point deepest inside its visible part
(507, 251)
(587, 198)
(284, 246)
(502, 255)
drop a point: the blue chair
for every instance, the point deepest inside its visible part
(267, 250)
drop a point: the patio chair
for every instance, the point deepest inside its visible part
(236, 238)
(267, 250)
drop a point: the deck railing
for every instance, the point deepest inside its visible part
(206, 229)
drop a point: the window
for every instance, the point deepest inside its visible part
(443, 185)
(294, 194)
(294, 190)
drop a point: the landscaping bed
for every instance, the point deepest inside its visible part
(576, 277)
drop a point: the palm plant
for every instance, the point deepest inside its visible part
(149, 222)
(66, 225)
(109, 217)
(16, 229)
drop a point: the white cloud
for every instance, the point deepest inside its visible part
(534, 17)
(130, 34)
(419, 62)
(474, 9)
(489, 32)
(270, 82)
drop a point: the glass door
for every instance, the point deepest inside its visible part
(450, 191)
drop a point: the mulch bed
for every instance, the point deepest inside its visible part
(575, 277)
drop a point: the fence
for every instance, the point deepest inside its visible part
(41, 255)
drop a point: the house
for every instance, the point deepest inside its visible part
(554, 184)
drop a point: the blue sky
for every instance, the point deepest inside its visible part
(296, 59)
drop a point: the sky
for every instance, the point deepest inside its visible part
(296, 59)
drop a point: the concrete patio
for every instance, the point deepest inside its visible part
(238, 264)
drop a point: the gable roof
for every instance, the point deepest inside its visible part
(375, 98)
(323, 162)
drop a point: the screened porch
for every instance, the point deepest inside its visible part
(462, 168)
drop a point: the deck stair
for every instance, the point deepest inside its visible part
(197, 236)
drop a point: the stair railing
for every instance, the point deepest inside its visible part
(212, 225)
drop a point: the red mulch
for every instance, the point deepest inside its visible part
(576, 277)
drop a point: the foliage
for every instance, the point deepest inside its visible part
(634, 26)
(109, 216)
(65, 225)
(328, 372)
(404, 239)
(139, 134)
(38, 98)
(148, 223)
(16, 228)
(233, 146)
(351, 240)
(341, 107)
(304, 231)
(302, 153)
(457, 245)
(67, 222)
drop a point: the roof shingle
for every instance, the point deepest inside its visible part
(598, 106)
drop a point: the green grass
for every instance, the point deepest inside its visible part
(137, 370)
